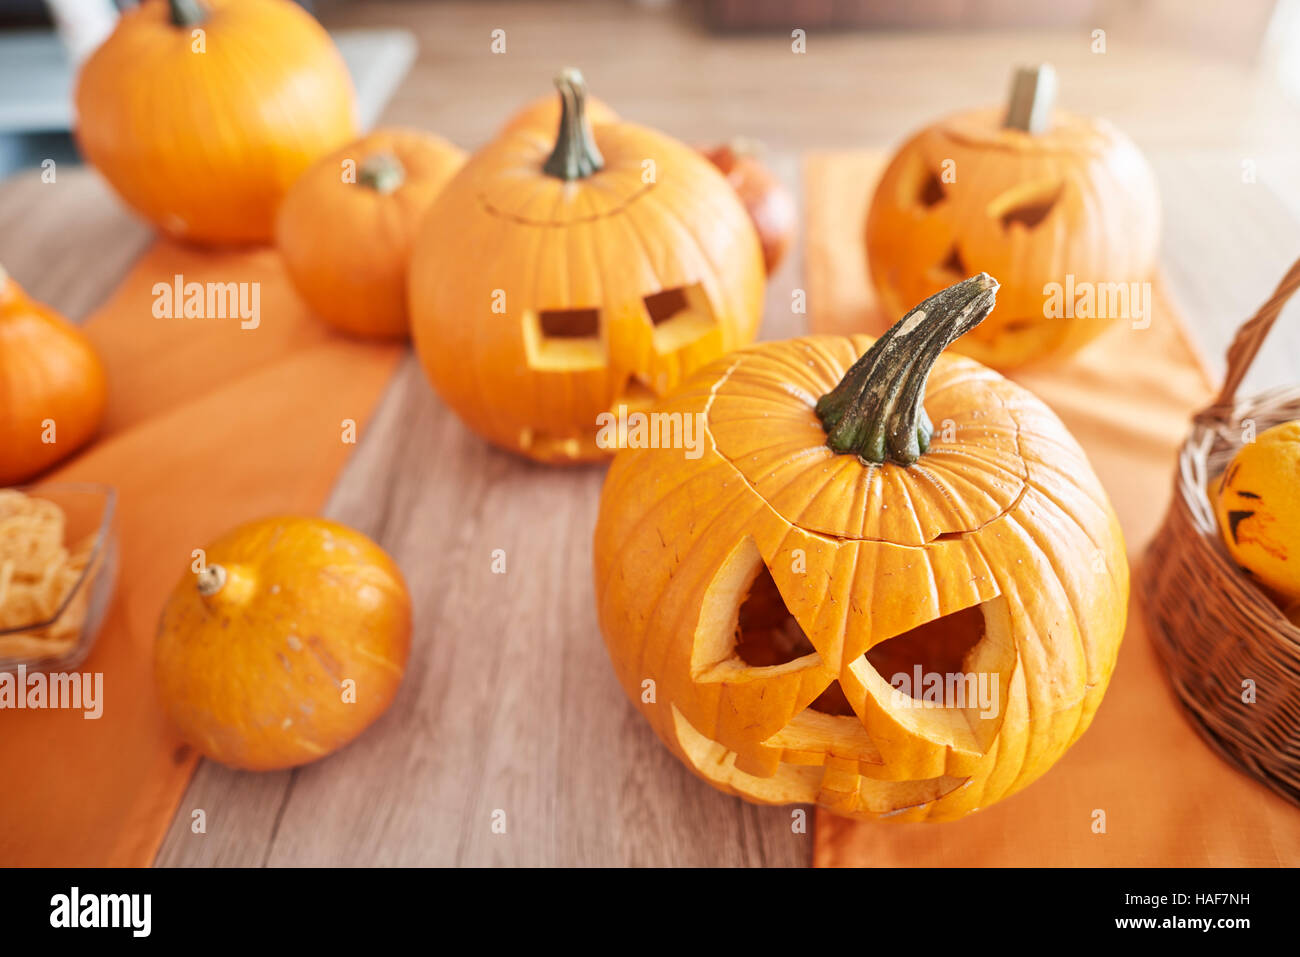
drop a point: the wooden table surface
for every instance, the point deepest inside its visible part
(509, 701)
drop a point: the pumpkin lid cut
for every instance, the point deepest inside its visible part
(585, 173)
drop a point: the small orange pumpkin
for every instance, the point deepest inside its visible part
(1043, 200)
(53, 389)
(347, 227)
(285, 646)
(202, 113)
(561, 278)
(768, 202)
(832, 600)
(1258, 507)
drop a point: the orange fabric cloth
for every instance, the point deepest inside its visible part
(208, 425)
(1168, 800)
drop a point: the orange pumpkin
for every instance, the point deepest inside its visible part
(53, 390)
(285, 645)
(347, 227)
(768, 202)
(543, 115)
(560, 278)
(1071, 208)
(839, 602)
(202, 113)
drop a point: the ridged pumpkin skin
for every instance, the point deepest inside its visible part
(543, 115)
(506, 245)
(253, 674)
(48, 371)
(1079, 199)
(347, 244)
(205, 145)
(1258, 505)
(1003, 512)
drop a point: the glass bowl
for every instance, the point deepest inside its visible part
(90, 512)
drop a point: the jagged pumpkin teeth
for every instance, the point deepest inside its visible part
(839, 603)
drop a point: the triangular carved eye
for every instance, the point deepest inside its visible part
(936, 647)
(680, 315)
(1026, 205)
(745, 625)
(766, 632)
(930, 193)
(953, 264)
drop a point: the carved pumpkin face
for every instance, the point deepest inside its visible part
(760, 602)
(554, 283)
(968, 194)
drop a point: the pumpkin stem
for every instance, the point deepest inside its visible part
(876, 411)
(1033, 94)
(382, 172)
(187, 13)
(211, 580)
(575, 155)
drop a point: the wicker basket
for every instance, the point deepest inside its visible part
(1212, 627)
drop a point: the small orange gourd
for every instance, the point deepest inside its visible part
(1258, 506)
(202, 113)
(768, 202)
(286, 645)
(347, 227)
(53, 389)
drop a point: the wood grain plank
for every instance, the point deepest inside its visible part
(510, 702)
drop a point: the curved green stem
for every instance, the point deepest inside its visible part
(575, 155)
(382, 172)
(877, 409)
(187, 13)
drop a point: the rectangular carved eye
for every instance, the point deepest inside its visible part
(569, 323)
(665, 304)
(680, 315)
(564, 339)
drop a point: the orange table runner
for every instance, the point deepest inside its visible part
(1168, 800)
(209, 424)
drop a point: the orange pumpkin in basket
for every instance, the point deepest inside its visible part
(202, 113)
(561, 277)
(829, 599)
(53, 390)
(1258, 507)
(288, 642)
(1065, 214)
(347, 227)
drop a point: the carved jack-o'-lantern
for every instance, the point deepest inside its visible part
(559, 278)
(1032, 196)
(839, 602)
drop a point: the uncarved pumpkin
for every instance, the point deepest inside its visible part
(347, 227)
(53, 389)
(1075, 204)
(760, 601)
(1258, 506)
(561, 277)
(769, 204)
(202, 113)
(288, 642)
